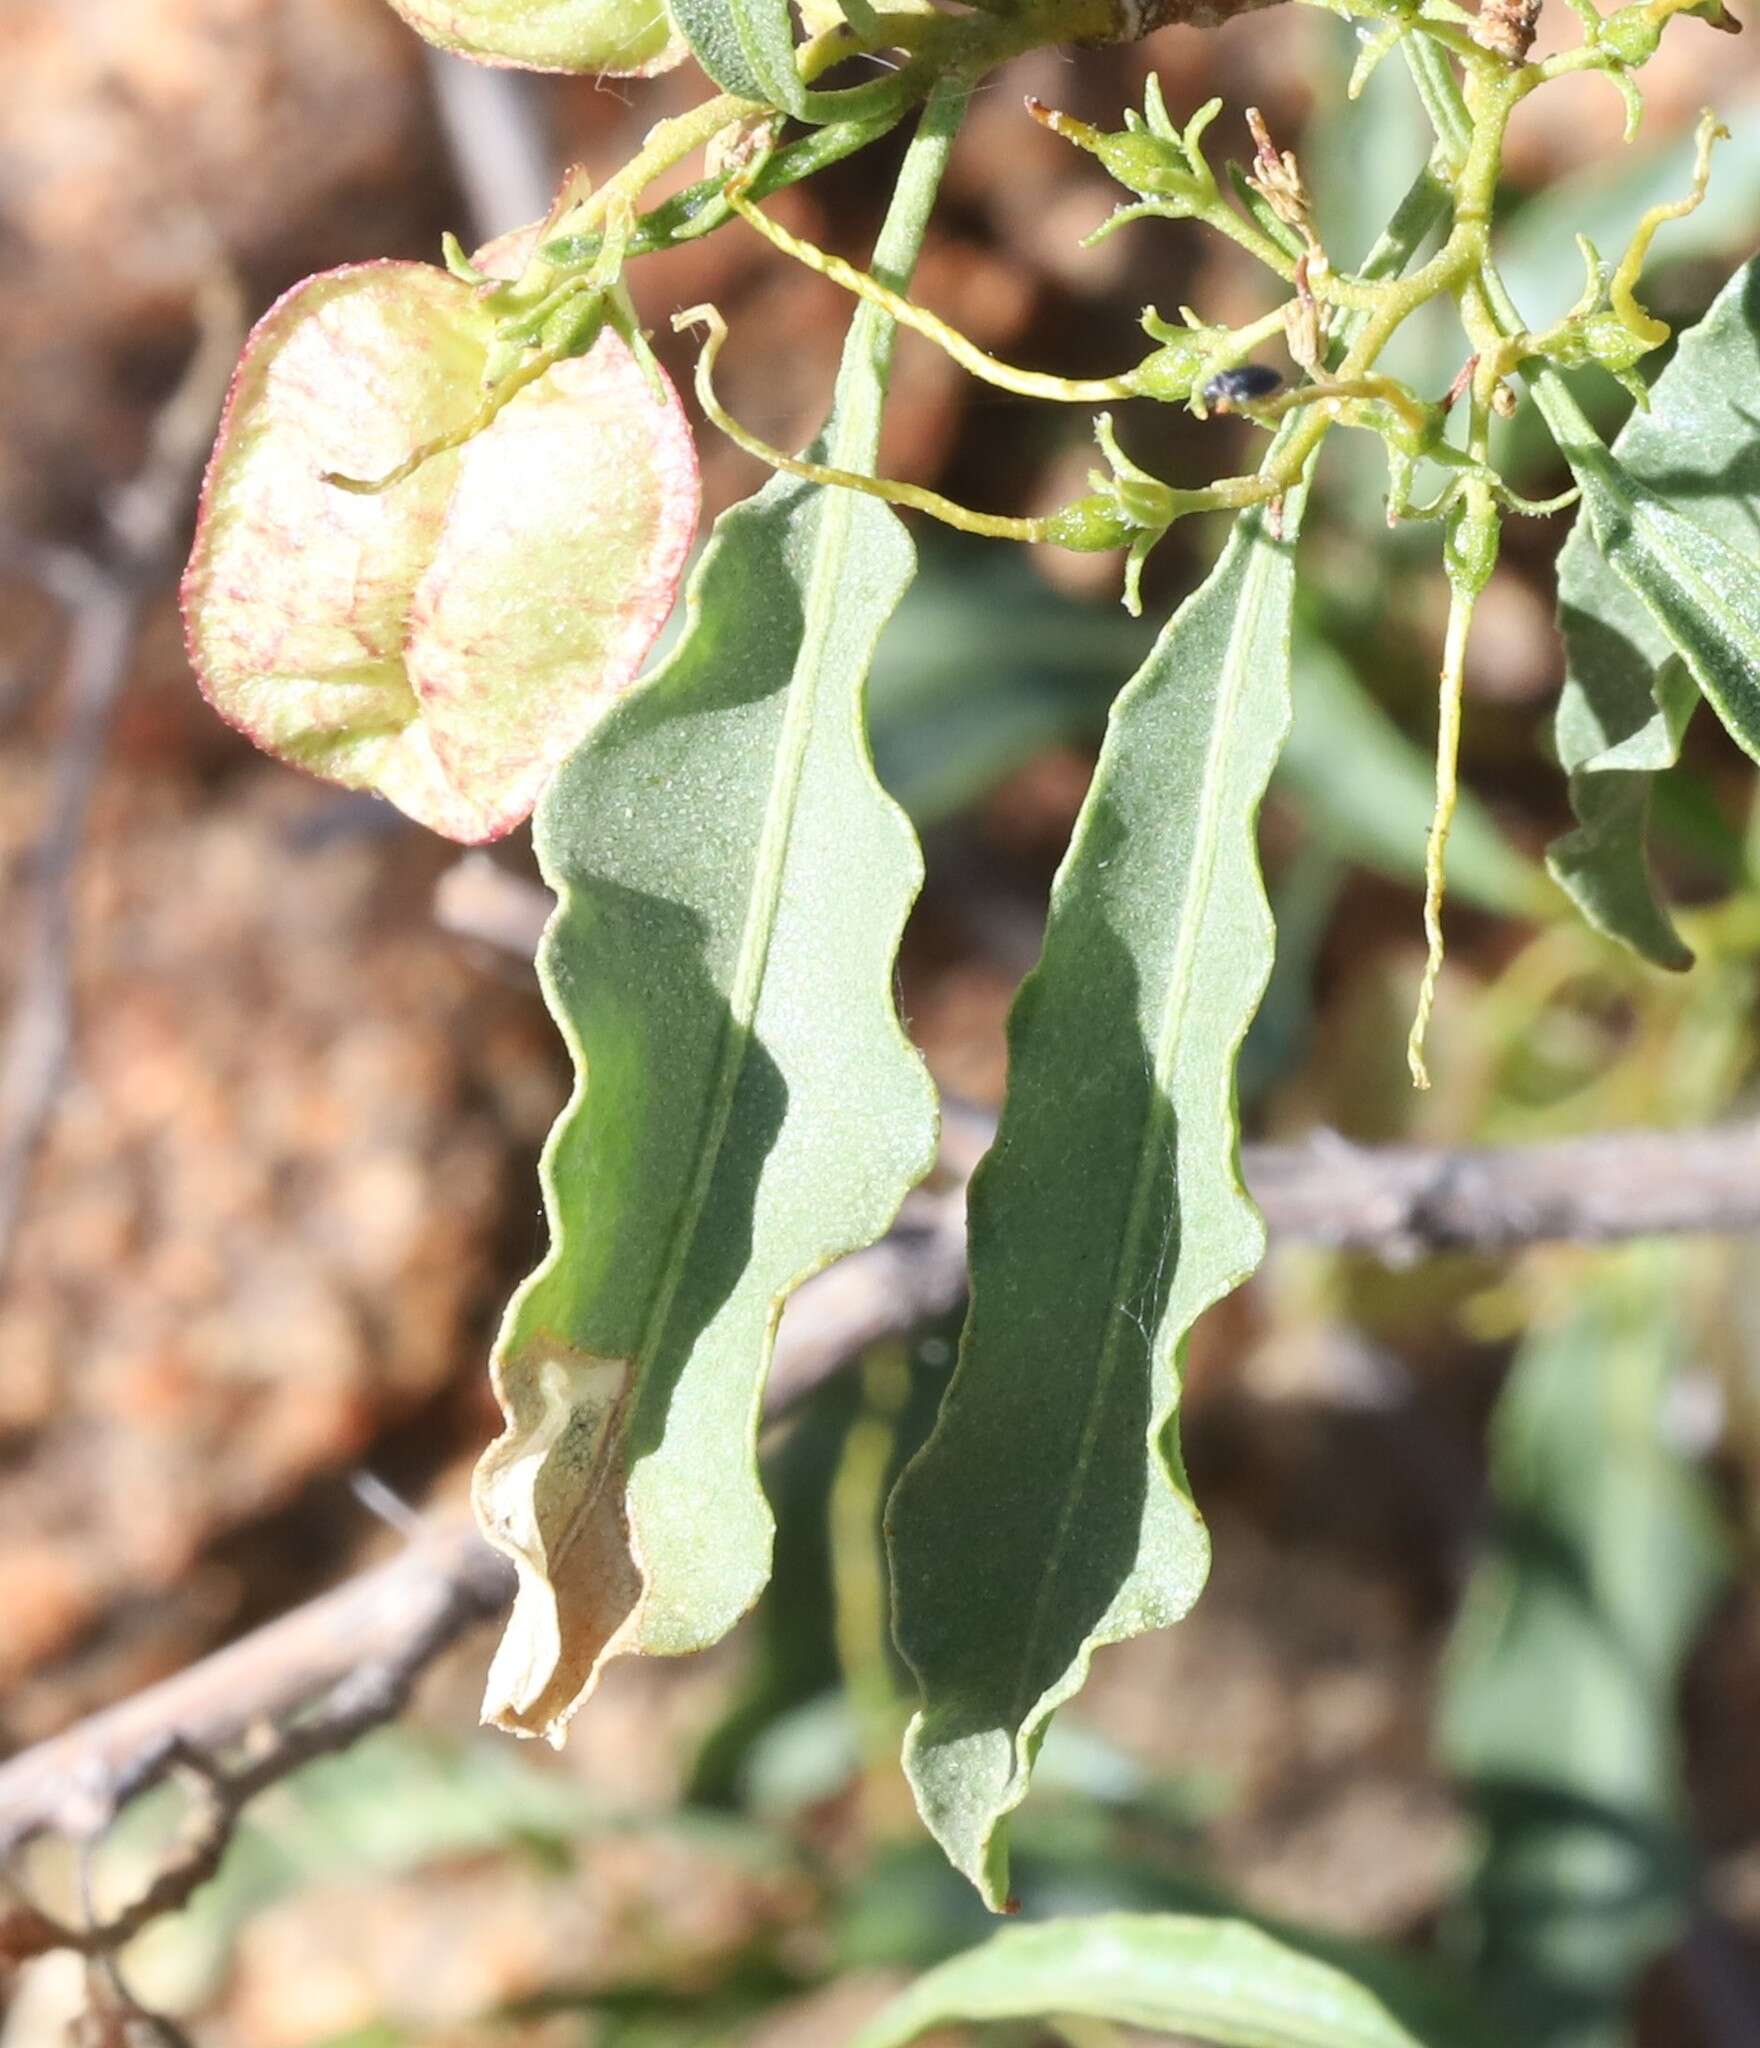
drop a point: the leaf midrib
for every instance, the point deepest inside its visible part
(852, 444)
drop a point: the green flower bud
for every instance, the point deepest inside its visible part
(1151, 165)
(1412, 442)
(1631, 35)
(1600, 338)
(1172, 371)
(1607, 340)
(1091, 526)
(1470, 547)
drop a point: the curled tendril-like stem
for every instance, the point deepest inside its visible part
(915, 496)
(571, 313)
(1622, 290)
(1470, 551)
(1448, 747)
(1127, 507)
(1005, 376)
(486, 413)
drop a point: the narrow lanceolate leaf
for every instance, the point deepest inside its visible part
(747, 47)
(448, 640)
(1049, 1512)
(614, 38)
(1559, 1707)
(733, 882)
(1215, 1981)
(1628, 694)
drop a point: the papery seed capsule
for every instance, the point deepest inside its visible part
(1242, 386)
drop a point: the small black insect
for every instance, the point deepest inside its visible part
(1229, 388)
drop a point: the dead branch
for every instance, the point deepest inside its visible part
(1405, 1202)
(356, 1649)
(361, 1647)
(346, 1661)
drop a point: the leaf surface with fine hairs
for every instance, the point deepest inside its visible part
(1049, 1512)
(747, 47)
(732, 885)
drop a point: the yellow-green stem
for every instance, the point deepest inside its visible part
(1448, 747)
(916, 497)
(1005, 376)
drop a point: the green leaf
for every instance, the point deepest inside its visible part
(1209, 1980)
(611, 38)
(448, 640)
(1049, 1512)
(732, 884)
(1559, 1698)
(1635, 646)
(1680, 474)
(1107, 1216)
(1619, 725)
(747, 47)
(1703, 593)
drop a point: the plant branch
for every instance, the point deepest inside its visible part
(360, 1648)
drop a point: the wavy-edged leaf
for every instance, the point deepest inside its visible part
(447, 641)
(1627, 697)
(1219, 1981)
(732, 885)
(1559, 1698)
(747, 47)
(613, 38)
(1106, 1217)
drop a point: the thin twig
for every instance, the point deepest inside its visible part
(304, 1686)
(359, 1647)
